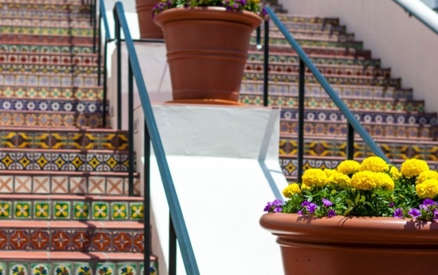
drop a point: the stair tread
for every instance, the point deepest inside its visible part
(71, 256)
(102, 225)
(69, 197)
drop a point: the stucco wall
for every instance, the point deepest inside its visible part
(402, 42)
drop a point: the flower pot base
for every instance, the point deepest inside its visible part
(206, 102)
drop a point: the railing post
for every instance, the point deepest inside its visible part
(146, 198)
(258, 38)
(266, 66)
(172, 248)
(94, 10)
(350, 141)
(131, 129)
(105, 76)
(119, 70)
(99, 52)
(301, 95)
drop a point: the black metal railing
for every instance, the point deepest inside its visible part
(304, 61)
(177, 228)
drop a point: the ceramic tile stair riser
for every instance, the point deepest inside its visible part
(354, 104)
(65, 202)
(255, 87)
(379, 101)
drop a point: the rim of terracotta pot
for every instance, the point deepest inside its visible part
(378, 231)
(207, 13)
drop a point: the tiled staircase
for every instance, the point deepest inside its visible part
(64, 204)
(383, 106)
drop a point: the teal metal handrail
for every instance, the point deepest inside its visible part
(304, 60)
(177, 218)
(422, 12)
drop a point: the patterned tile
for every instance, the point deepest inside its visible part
(62, 269)
(138, 242)
(83, 269)
(6, 183)
(18, 269)
(61, 210)
(96, 185)
(60, 185)
(39, 239)
(101, 241)
(42, 210)
(18, 239)
(115, 186)
(136, 211)
(61, 240)
(122, 241)
(81, 210)
(127, 269)
(23, 184)
(119, 210)
(22, 210)
(78, 185)
(81, 240)
(106, 269)
(3, 268)
(40, 269)
(41, 185)
(4, 239)
(100, 211)
(6, 210)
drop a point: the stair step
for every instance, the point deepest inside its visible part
(293, 77)
(316, 35)
(46, 22)
(376, 130)
(45, 30)
(335, 70)
(47, 38)
(47, 68)
(326, 21)
(280, 41)
(64, 160)
(50, 105)
(44, 79)
(81, 263)
(90, 183)
(363, 116)
(332, 146)
(63, 138)
(39, 211)
(322, 51)
(48, 7)
(52, 119)
(314, 89)
(61, 61)
(315, 58)
(38, 92)
(47, 48)
(354, 104)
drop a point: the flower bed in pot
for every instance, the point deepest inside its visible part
(363, 218)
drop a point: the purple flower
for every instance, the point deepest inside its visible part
(311, 207)
(326, 202)
(274, 206)
(414, 213)
(331, 213)
(429, 202)
(305, 203)
(391, 204)
(435, 214)
(300, 212)
(398, 213)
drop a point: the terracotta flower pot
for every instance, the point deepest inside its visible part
(148, 28)
(341, 246)
(207, 49)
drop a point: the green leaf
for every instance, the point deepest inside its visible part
(348, 210)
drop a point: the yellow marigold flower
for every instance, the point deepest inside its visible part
(384, 181)
(348, 167)
(364, 180)
(428, 189)
(314, 177)
(291, 190)
(303, 186)
(395, 174)
(329, 172)
(413, 167)
(425, 175)
(339, 179)
(374, 164)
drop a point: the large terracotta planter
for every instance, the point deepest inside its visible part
(148, 28)
(341, 246)
(207, 49)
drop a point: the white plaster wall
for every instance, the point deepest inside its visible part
(402, 42)
(224, 164)
(153, 63)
